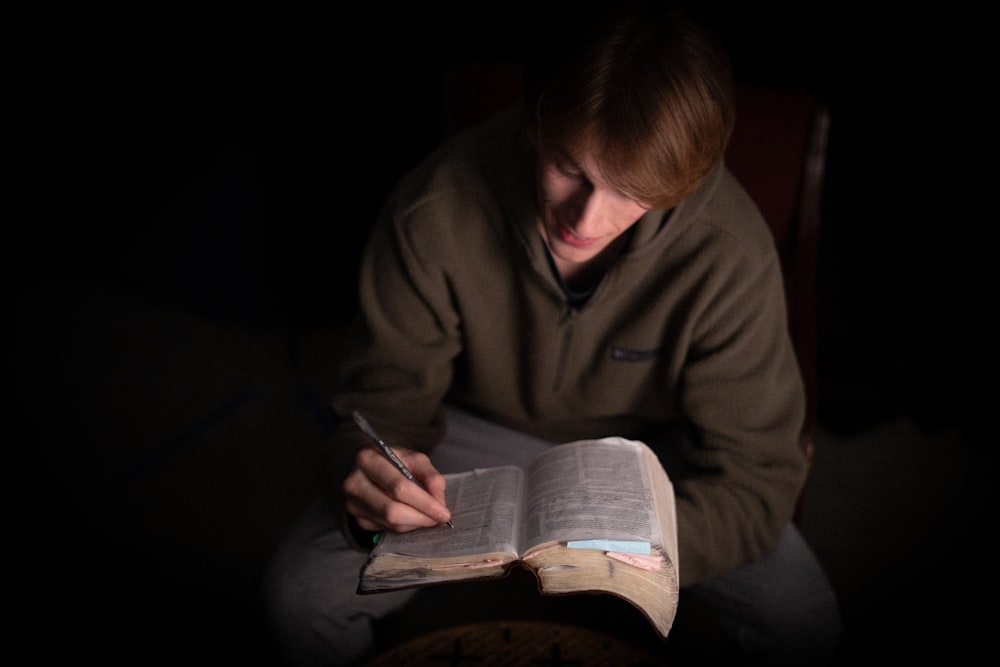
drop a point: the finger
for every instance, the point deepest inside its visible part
(426, 474)
(374, 510)
(426, 493)
(388, 485)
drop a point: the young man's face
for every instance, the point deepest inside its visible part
(581, 215)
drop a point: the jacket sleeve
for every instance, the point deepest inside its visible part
(742, 393)
(397, 363)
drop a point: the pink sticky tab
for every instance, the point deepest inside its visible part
(489, 562)
(651, 562)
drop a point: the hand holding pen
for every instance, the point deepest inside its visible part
(383, 492)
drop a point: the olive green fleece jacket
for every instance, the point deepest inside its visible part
(459, 305)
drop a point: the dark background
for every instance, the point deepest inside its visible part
(229, 164)
(233, 163)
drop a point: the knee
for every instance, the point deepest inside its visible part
(289, 607)
(306, 624)
(315, 615)
(824, 628)
(806, 634)
(798, 624)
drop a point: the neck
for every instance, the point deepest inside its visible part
(580, 276)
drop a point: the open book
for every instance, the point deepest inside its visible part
(586, 516)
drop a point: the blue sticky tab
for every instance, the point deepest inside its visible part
(626, 546)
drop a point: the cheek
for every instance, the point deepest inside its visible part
(621, 214)
(633, 211)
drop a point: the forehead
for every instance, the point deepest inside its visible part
(579, 159)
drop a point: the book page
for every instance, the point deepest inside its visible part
(595, 489)
(484, 505)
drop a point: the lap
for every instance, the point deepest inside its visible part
(782, 604)
(780, 601)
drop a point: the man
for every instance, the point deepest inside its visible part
(579, 267)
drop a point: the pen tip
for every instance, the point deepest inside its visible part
(451, 525)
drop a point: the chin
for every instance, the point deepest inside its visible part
(568, 253)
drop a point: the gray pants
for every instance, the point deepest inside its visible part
(779, 610)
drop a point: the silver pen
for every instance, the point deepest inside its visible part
(391, 455)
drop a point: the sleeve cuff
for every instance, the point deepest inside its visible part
(356, 536)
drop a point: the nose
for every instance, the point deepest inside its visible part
(588, 214)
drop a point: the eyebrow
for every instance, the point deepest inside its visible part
(559, 154)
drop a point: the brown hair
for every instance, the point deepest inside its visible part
(647, 90)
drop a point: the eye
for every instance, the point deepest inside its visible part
(558, 161)
(567, 168)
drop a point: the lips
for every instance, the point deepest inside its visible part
(567, 237)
